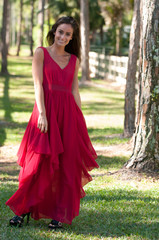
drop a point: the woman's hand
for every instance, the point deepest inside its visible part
(42, 123)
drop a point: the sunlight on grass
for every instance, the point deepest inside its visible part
(101, 101)
(110, 210)
(25, 50)
(101, 107)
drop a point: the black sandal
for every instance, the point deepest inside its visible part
(55, 224)
(18, 220)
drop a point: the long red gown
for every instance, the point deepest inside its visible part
(54, 165)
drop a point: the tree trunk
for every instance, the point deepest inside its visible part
(146, 140)
(48, 14)
(93, 37)
(41, 21)
(84, 21)
(20, 28)
(119, 34)
(8, 26)
(129, 121)
(13, 24)
(4, 69)
(117, 44)
(101, 34)
(31, 27)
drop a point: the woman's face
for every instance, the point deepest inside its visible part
(63, 34)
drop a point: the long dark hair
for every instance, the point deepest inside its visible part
(74, 46)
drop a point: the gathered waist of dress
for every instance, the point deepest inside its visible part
(55, 87)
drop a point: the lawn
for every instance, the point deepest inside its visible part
(113, 208)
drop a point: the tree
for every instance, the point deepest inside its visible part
(146, 139)
(13, 22)
(41, 21)
(4, 50)
(20, 27)
(95, 13)
(84, 27)
(8, 26)
(65, 7)
(129, 121)
(31, 27)
(113, 12)
(48, 14)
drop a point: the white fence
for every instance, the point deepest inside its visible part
(108, 67)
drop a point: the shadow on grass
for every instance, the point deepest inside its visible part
(117, 213)
(109, 102)
(6, 100)
(17, 105)
(9, 170)
(3, 134)
(103, 92)
(7, 107)
(104, 213)
(107, 136)
(104, 131)
(106, 163)
(101, 108)
(10, 125)
(10, 105)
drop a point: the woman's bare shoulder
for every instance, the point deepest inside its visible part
(39, 53)
(77, 62)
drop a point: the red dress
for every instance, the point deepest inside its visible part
(54, 165)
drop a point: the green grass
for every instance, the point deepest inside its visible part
(113, 208)
(17, 100)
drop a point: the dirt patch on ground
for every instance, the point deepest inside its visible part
(132, 174)
(108, 84)
(115, 150)
(8, 153)
(8, 161)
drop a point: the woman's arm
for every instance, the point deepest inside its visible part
(75, 89)
(37, 72)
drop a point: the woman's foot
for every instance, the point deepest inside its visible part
(18, 220)
(55, 224)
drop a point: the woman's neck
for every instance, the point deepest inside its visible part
(57, 50)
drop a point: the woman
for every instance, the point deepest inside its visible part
(56, 153)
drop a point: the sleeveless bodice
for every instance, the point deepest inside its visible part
(56, 78)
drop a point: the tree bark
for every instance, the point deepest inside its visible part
(48, 14)
(101, 34)
(129, 120)
(119, 34)
(13, 24)
(84, 27)
(146, 139)
(8, 26)
(4, 69)
(31, 27)
(41, 21)
(20, 28)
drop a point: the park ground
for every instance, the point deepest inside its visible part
(119, 204)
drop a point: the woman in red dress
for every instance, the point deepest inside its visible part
(55, 153)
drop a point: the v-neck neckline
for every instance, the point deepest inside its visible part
(56, 62)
